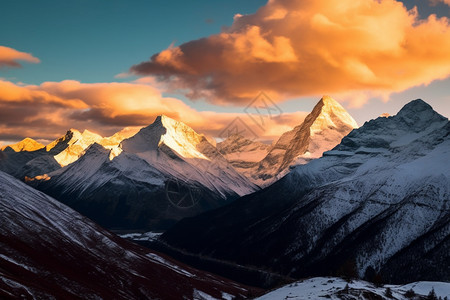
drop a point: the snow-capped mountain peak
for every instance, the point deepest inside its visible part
(329, 113)
(27, 144)
(63, 141)
(321, 131)
(169, 132)
(419, 115)
(152, 164)
(178, 151)
(76, 143)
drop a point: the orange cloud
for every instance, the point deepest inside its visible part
(10, 56)
(46, 111)
(309, 47)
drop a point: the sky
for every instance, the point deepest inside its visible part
(106, 64)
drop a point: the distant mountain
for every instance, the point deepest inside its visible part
(114, 140)
(242, 153)
(161, 174)
(34, 159)
(178, 151)
(321, 130)
(77, 143)
(26, 144)
(48, 251)
(377, 203)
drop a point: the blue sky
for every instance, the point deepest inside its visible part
(92, 41)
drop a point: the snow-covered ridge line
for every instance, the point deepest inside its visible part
(337, 288)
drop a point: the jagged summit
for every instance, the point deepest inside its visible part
(62, 141)
(414, 121)
(328, 112)
(176, 149)
(321, 131)
(416, 105)
(27, 144)
(328, 101)
(72, 145)
(419, 115)
(164, 118)
(169, 132)
(165, 121)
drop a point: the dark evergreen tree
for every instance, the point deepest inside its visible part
(388, 293)
(432, 295)
(410, 293)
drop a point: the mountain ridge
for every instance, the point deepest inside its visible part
(321, 130)
(353, 205)
(164, 172)
(27, 144)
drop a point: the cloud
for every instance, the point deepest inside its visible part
(48, 110)
(9, 57)
(435, 2)
(294, 48)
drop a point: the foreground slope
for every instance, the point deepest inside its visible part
(48, 250)
(378, 202)
(161, 174)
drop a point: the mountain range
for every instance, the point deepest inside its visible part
(161, 174)
(375, 205)
(151, 178)
(325, 199)
(321, 130)
(29, 158)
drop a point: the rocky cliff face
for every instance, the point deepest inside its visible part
(322, 130)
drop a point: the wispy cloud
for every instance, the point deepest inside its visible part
(10, 57)
(304, 47)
